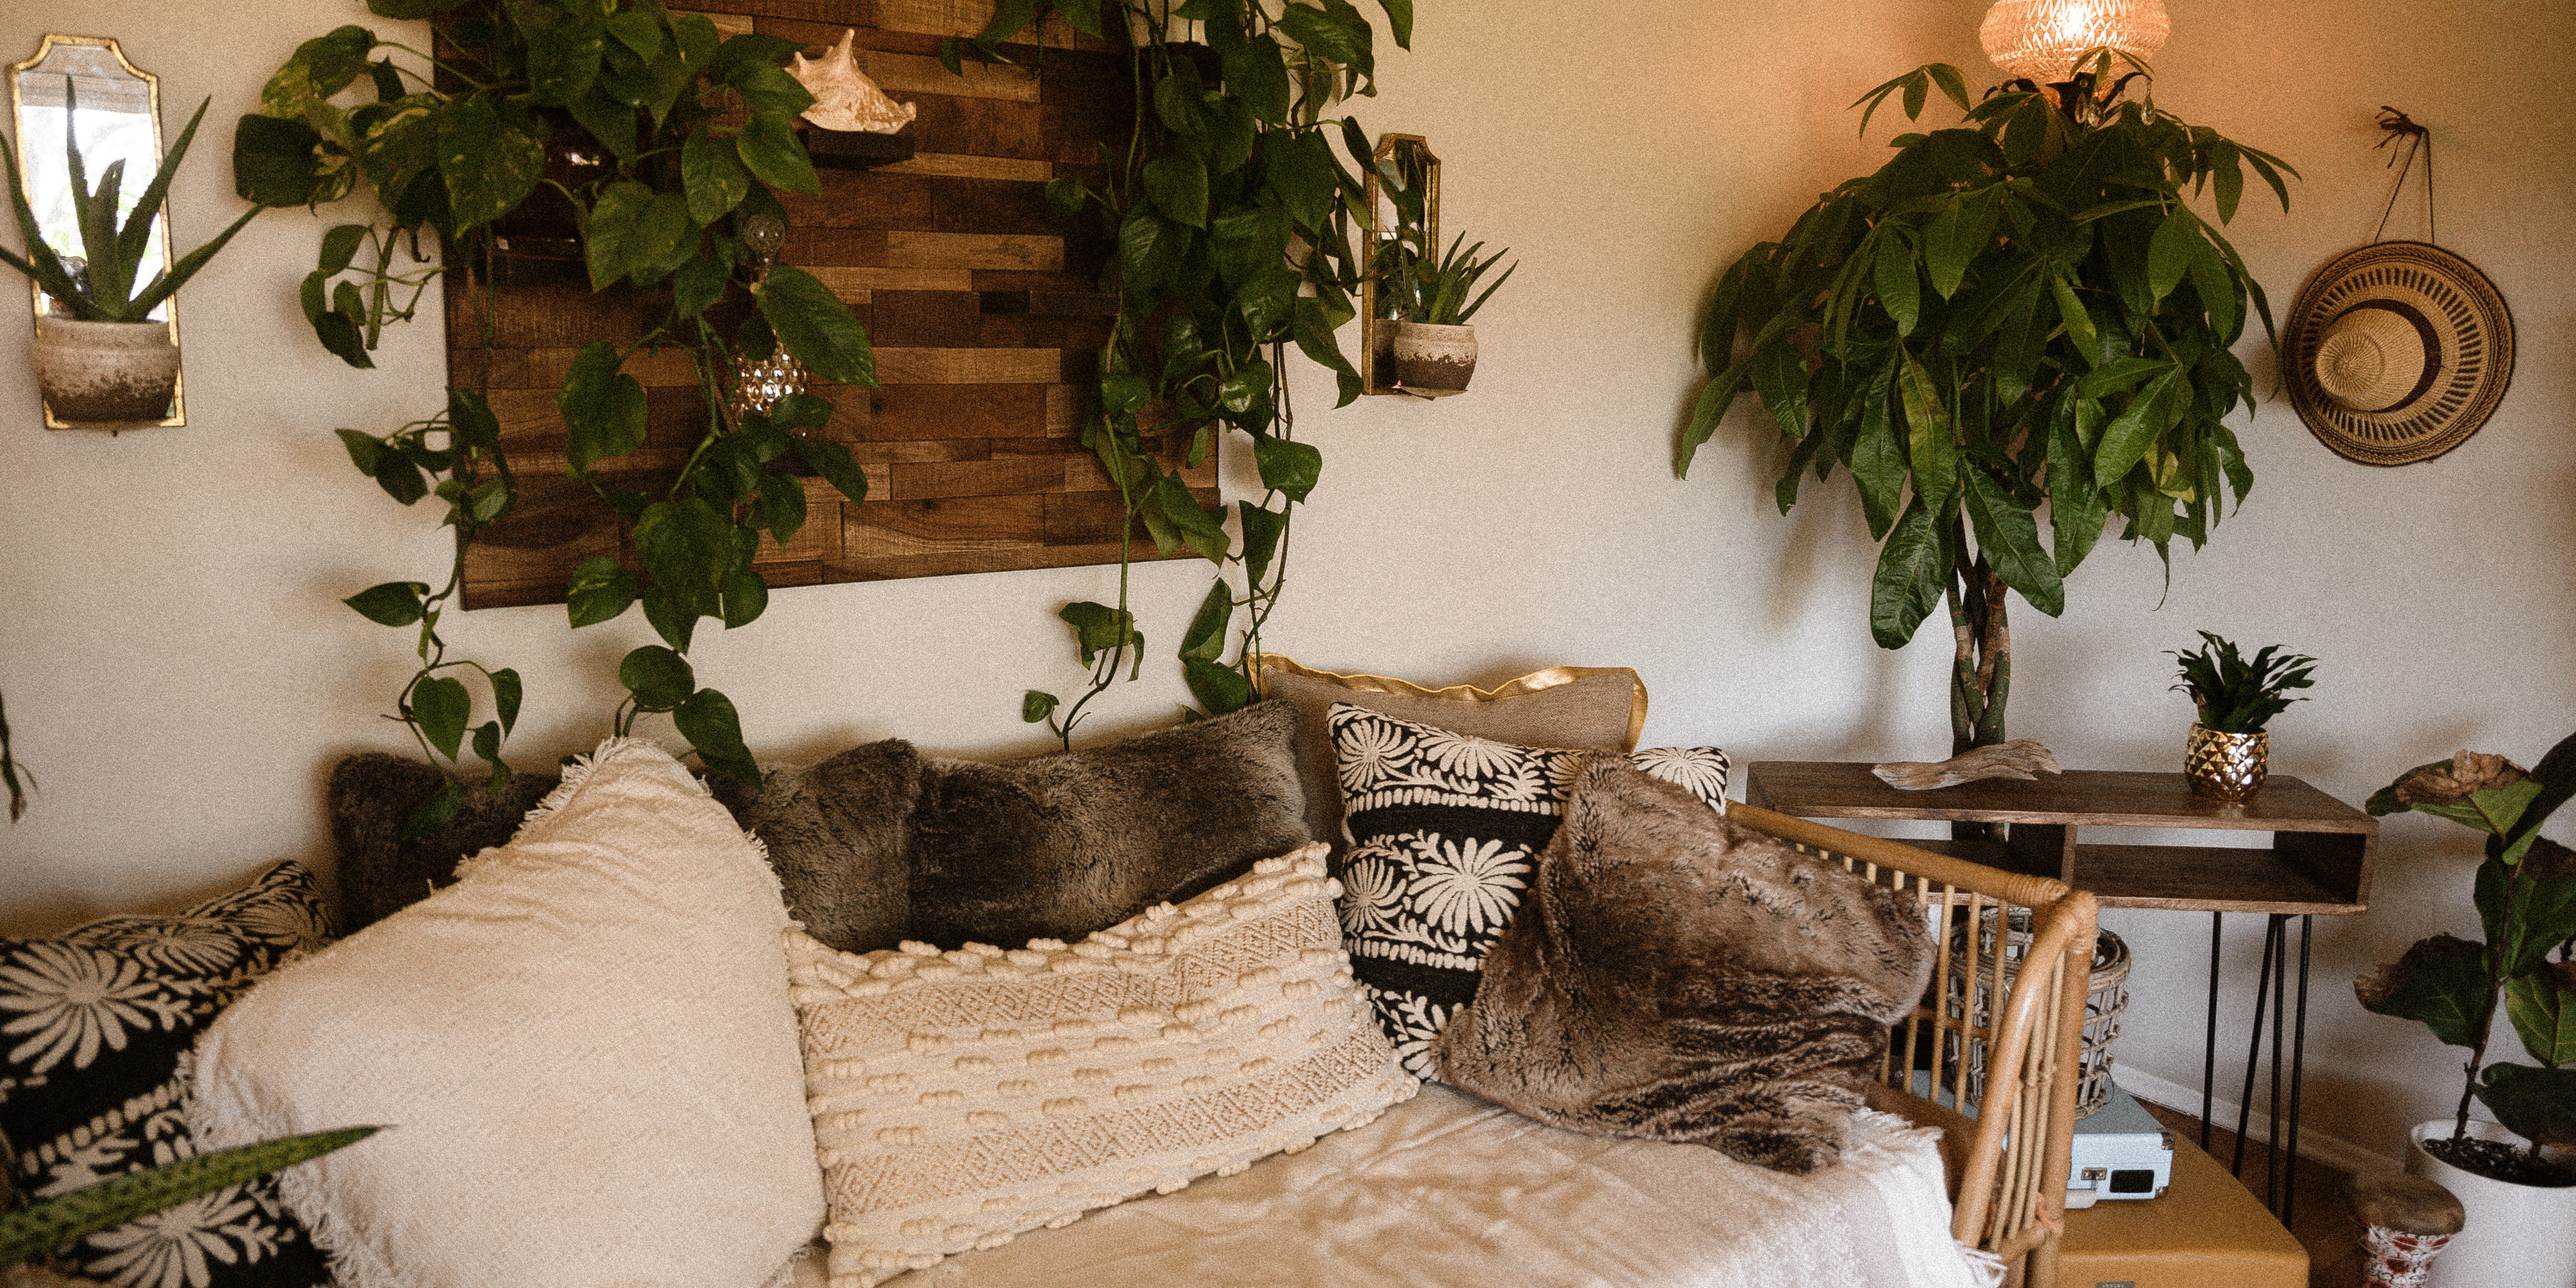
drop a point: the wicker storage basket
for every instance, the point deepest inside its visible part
(2106, 994)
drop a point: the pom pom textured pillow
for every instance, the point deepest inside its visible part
(94, 1077)
(961, 1098)
(1446, 829)
(584, 1046)
(1675, 975)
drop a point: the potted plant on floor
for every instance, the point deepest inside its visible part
(100, 357)
(2521, 1199)
(1435, 348)
(2229, 752)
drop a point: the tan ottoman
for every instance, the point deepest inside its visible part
(2208, 1231)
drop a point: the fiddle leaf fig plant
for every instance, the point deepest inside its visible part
(2526, 904)
(1232, 217)
(2018, 312)
(672, 140)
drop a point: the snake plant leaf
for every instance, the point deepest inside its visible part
(2441, 982)
(40, 1228)
(2539, 1104)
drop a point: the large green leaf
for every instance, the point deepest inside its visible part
(2539, 1104)
(660, 679)
(2151, 411)
(2441, 982)
(1899, 279)
(1291, 467)
(1300, 168)
(1929, 444)
(1254, 73)
(713, 172)
(817, 327)
(1218, 687)
(2076, 506)
(2542, 1006)
(1911, 577)
(490, 159)
(1261, 532)
(603, 408)
(2008, 538)
(395, 603)
(768, 147)
(1780, 378)
(599, 591)
(1205, 638)
(1178, 183)
(442, 706)
(1879, 463)
(2169, 252)
(714, 731)
(1098, 629)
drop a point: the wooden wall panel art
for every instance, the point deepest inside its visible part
(978, 297)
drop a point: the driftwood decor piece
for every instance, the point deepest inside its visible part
(979, 299)
(2019, 758)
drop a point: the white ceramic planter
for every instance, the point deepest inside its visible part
(106, 373)
(2520, 1236)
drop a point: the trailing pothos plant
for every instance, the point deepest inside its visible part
(682, 136)
(2021, 309)
(1232, 219)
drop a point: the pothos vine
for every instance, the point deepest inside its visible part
(1233, 221)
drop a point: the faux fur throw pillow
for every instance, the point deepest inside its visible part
(370, 796)
(836, 833)
(1057, 846)
(1675, 975)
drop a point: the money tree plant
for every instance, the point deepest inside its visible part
(2526, 905)
(2018, 312)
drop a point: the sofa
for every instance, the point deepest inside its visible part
(1105, 1017)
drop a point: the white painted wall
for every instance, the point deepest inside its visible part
(179, 676)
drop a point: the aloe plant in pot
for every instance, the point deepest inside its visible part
(2521, 1198)
(1435, 347)
(100, 357)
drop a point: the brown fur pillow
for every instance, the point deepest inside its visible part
(1674, 975)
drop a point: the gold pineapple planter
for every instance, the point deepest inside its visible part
(2226, 766)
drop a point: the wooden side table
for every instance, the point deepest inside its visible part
(2314, 857)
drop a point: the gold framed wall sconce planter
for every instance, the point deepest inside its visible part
(1416, 299)
(89, 198)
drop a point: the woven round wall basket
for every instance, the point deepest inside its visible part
(2396, 352)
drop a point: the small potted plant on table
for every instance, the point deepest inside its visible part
(2521, 1200)
(2230, 753)
(101, 358)
(1435, 348)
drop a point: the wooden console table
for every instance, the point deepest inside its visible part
(2317, 860)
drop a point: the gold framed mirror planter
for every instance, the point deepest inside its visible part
(1403, 197)
(118, 119)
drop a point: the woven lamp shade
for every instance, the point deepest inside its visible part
(2039, 39)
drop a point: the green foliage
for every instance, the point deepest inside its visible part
(1232, 218)
(40, 1228)
(2017, 311)
(2526, 903)
(2235, 695)
(695, 131)
(103, 289)
(1439, 294)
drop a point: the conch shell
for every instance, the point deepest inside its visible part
(844, 98)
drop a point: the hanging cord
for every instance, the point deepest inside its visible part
(2418, 139)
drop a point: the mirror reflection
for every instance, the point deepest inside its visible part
(1404, 229)
(118, 119)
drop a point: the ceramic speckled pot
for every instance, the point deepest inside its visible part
(106, 373)
(1439, 359)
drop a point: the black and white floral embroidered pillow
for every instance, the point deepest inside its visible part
(95, 1035)
(1445, 830)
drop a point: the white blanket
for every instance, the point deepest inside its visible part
(1447, 1191)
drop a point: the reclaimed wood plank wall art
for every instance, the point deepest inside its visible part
(980, 300)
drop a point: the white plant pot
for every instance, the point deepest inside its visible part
(2517, 1236)
(106, 373)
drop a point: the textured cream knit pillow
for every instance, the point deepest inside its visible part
(585, 1048)
(960, 1098)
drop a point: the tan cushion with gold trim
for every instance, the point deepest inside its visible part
(2207, 1231)
(1592, 708)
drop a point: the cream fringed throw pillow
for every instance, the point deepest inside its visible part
(584, 1046)
(961, 1098)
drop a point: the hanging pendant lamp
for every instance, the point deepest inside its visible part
(2038, 40)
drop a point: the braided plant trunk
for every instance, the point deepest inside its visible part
(1980, 673)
